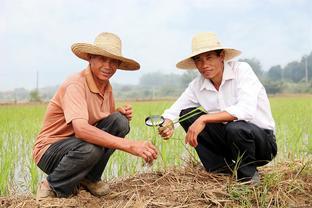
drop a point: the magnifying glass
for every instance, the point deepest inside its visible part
(154, 120)
(157, 120)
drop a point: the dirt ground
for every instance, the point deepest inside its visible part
(287, 185)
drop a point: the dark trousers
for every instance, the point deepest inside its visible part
(69, 161)
(236, 145)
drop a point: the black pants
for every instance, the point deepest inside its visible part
(69, 161)
(222, 147)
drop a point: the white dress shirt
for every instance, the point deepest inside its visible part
(240, 94)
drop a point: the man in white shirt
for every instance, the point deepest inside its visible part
(238, 130)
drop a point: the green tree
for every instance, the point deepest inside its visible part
(306, 62)
(273, 87)
(275, 73)
(187, 77)
(34, 96)
(294, 71)
(157, 79)
(255, 65)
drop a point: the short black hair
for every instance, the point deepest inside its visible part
(218, 52)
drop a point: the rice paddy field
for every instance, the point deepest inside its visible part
(19, 125)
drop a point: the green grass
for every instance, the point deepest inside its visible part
(170, 150)
(293, 117)
(19, 125)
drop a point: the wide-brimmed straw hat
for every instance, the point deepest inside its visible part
(205, 42)
(108, 45)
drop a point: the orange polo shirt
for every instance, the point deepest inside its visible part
(77, 97)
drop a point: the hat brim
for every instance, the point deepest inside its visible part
(82, 50)
(188, 62)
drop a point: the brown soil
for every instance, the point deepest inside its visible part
(285, 185)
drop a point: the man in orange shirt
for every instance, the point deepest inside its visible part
(81, 128)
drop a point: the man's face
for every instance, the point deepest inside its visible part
(209, 64)
(103, 68)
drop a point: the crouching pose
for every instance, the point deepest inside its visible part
(238, 130)
(82, 128)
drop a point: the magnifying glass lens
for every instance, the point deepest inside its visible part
(154, 120)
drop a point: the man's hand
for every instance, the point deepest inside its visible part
(126, 110)
(166, 130)
(144, 149)
(193, 131)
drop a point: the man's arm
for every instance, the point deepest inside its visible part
(93, 135)
(202, 121)
(76, 112)
(186, 100)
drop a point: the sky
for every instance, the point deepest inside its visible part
(36, 35)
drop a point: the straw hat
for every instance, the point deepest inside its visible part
(204, 42)
(105, 44)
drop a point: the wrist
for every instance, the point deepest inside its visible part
(204, 119)
(125, 145)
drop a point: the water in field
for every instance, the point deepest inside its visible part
(19, 125)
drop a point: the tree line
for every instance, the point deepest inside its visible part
(295, 77)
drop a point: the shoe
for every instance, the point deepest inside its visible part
(44, 192)
(99, 188)
(255, 180)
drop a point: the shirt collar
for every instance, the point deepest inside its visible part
(206, 84)
(228, 72)
(91, 83)
(227, 75)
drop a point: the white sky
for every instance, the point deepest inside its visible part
(37, 34)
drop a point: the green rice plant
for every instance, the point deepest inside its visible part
(20, 124)
(270, 180)
(35, 176)
(241, 194)
(293, 125)
(8, 157)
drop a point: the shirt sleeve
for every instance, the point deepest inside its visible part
(248, 89)
(74, 103)
(186, 100)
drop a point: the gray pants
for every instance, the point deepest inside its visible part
(69, 161)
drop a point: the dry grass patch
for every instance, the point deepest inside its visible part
(287, 184)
